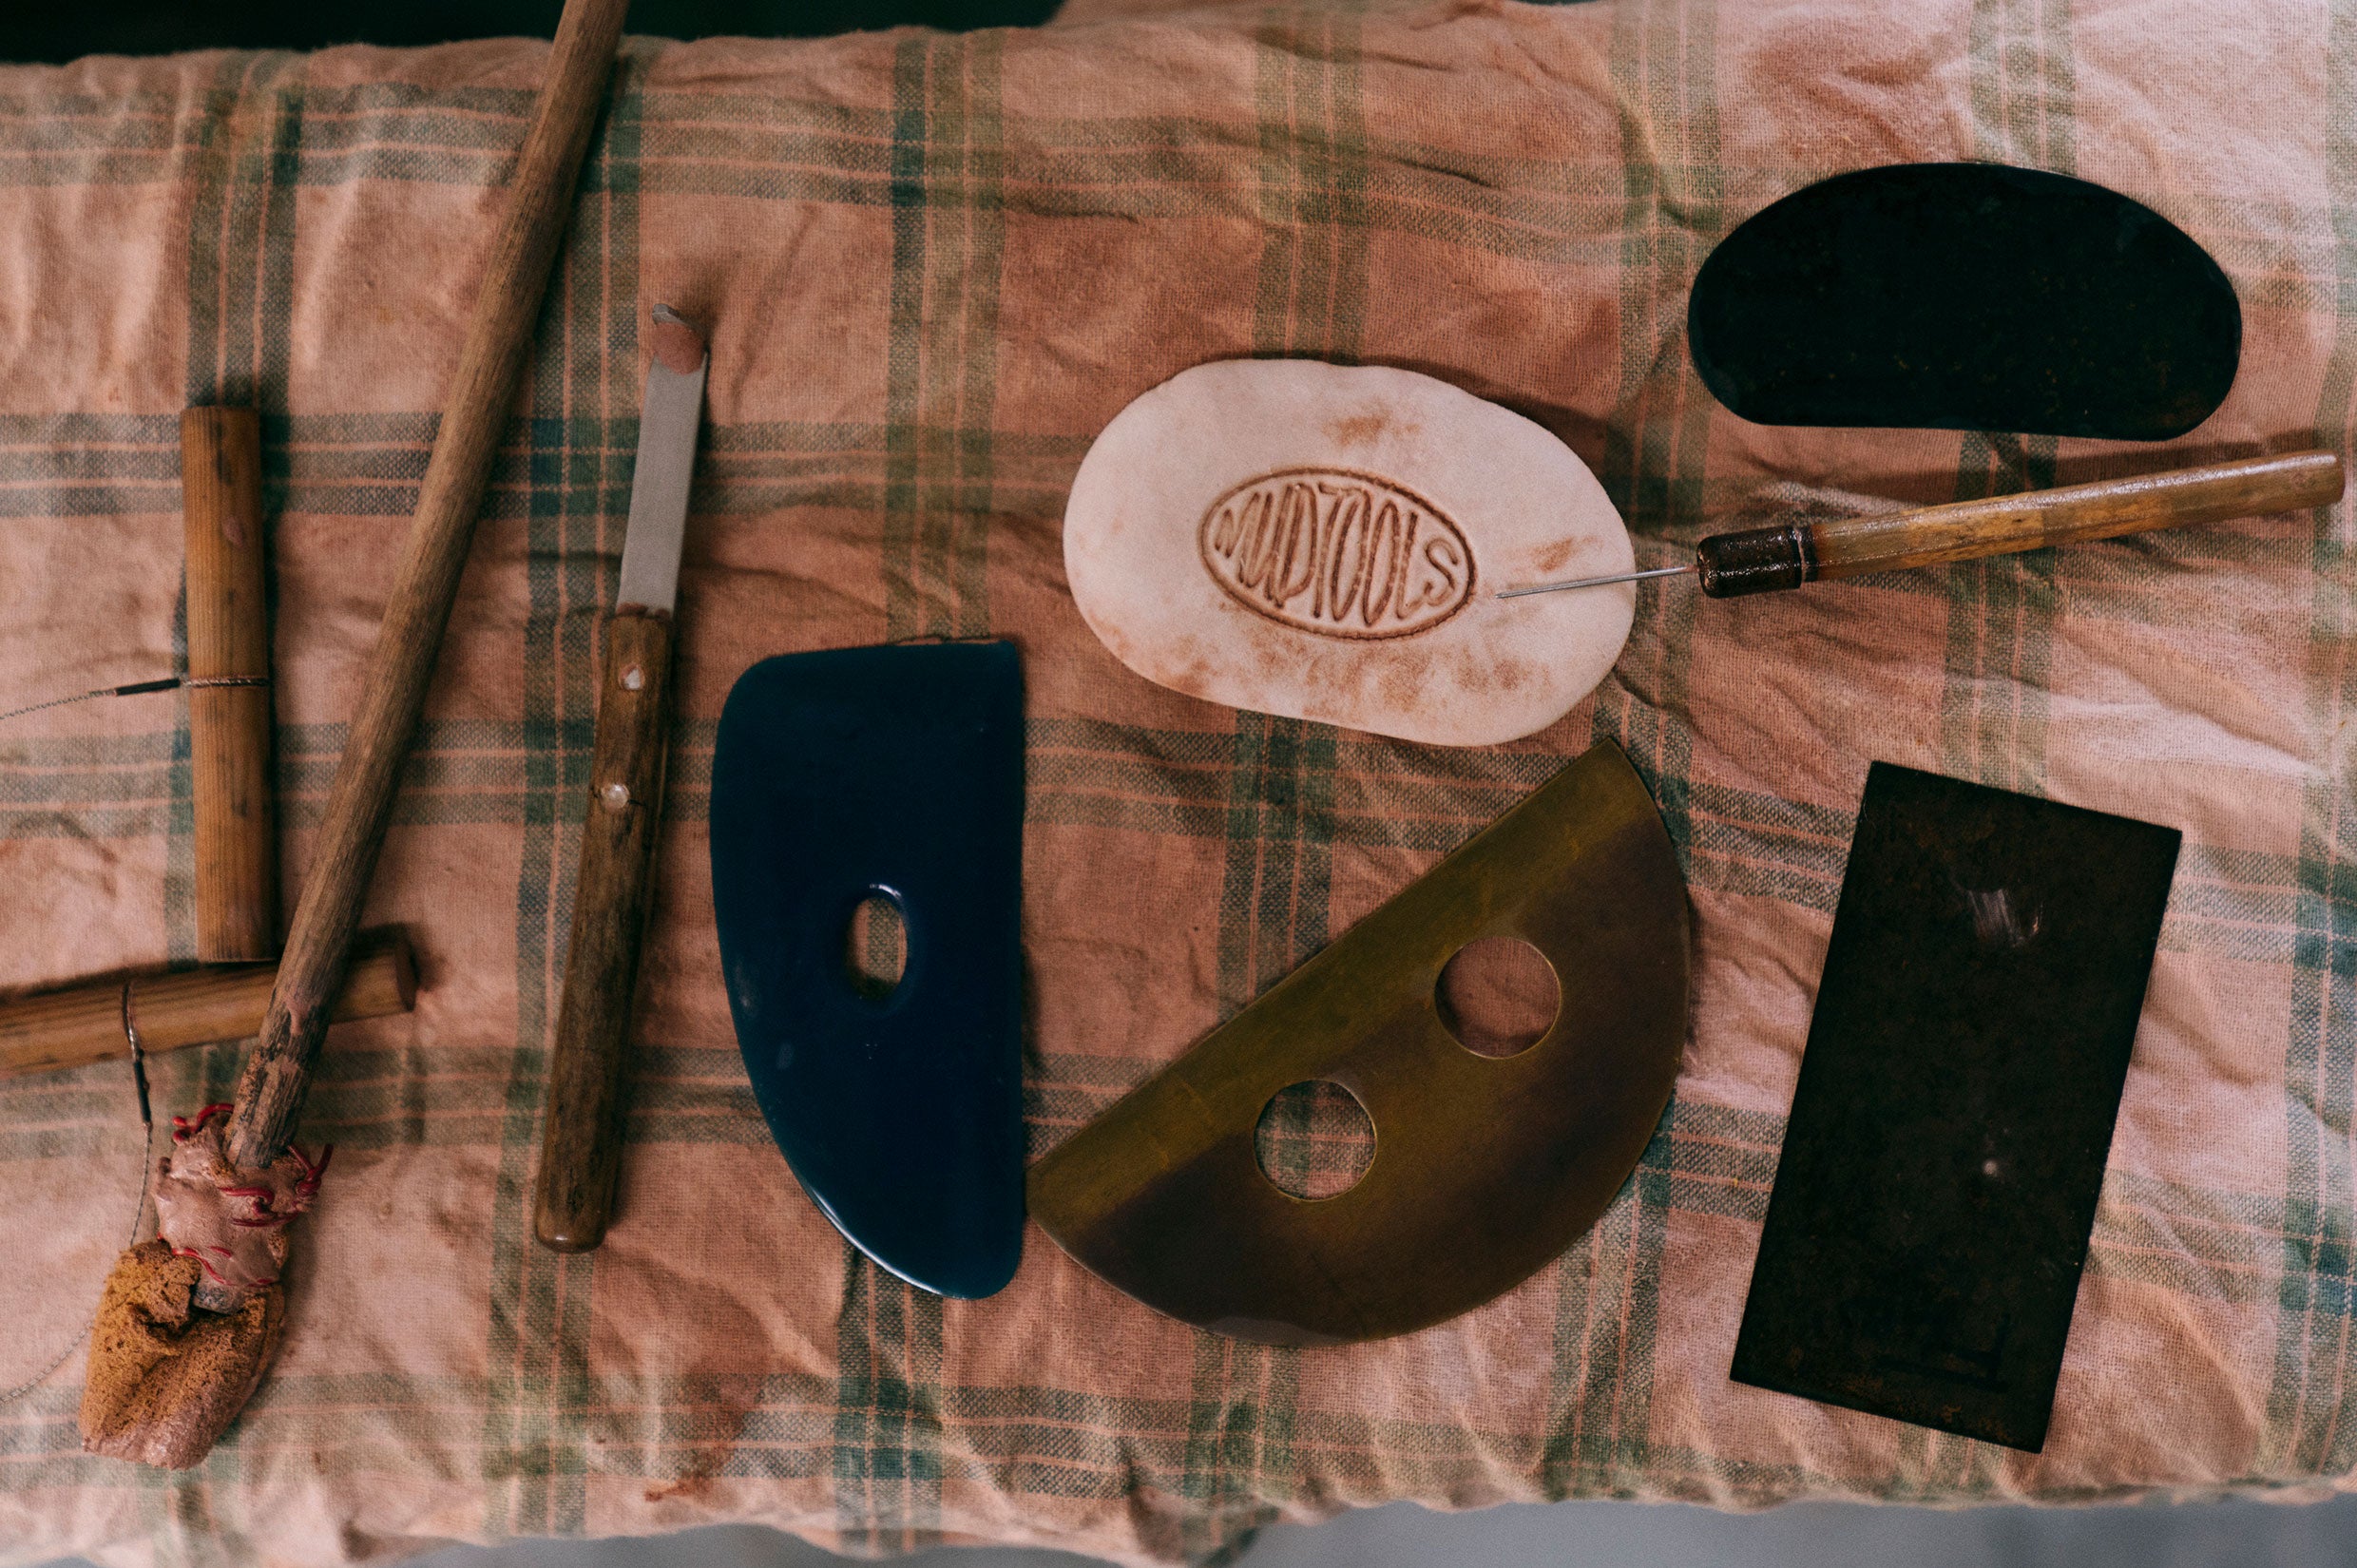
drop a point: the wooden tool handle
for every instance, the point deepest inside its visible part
(84, 1023)
(278, 1075)
(229, 706)
(582, 1124)
(1759, 559)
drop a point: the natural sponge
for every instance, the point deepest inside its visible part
(164, 1377)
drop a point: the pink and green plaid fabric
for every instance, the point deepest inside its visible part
(934, 266)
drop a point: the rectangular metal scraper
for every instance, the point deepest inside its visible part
(1923, 1246)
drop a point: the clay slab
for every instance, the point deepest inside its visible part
(1326, 543)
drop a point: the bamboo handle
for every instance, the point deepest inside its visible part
(229, 706)
(84, 1023)
(1758, 560)
(582, 1123)
(270, 1094)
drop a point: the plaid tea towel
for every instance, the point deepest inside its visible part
(934, 266)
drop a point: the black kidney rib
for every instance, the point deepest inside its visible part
(1965, 296)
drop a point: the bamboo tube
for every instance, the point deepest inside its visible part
(84, 1023)
(540, 199)
(229, 706)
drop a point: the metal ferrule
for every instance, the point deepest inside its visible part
(1757, 561)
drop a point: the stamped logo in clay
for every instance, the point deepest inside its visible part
(1337, 552)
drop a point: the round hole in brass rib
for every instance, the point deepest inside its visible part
(876, 947)
(1314, 1140)
(1498, 996)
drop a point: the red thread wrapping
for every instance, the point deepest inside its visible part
(204, 1263)
(183, 1128)
(264, 1215)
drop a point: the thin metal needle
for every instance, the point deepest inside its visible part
(1596, 581)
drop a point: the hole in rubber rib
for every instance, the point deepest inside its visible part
(1498, 996)
(1314, 1140)
(876, 947)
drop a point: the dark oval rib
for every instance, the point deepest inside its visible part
(1965, 296)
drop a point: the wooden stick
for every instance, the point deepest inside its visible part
(229, 706)
(278, 1075)
(84, 1023)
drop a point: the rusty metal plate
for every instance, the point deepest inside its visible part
(1485, 1168)
(1922, 1248)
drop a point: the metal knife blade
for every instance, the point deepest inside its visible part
(659, 487)
(582, 1116)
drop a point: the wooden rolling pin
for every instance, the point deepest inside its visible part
(1789, 554)
(277, 1076)
(84, 1023)
(229, 706)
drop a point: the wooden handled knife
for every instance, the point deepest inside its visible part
(580, 1126)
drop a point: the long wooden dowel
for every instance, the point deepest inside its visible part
(229, 706)
(84, 1023)
(278, 1075)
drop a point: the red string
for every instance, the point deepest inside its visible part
(184, 1129)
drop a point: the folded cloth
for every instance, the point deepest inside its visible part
(932, 267)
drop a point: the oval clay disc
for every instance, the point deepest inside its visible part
(1326, 543)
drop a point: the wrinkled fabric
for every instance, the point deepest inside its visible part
(933, 267)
